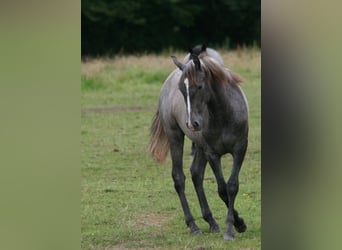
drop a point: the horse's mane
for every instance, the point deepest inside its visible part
(213, 70)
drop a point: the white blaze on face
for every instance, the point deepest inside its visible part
(186, 83)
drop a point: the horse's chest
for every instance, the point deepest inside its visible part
(218, 142)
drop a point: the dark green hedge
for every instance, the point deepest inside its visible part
(135, 26)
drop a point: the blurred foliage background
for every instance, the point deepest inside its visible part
(139, 26)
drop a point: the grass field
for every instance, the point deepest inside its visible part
(128, 201)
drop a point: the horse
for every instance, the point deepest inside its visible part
(203, 100)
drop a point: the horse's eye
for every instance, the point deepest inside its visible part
(199, 87)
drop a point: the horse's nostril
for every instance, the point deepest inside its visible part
(195, 124)
(189, 125)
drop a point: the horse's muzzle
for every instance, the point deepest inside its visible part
(193, 126)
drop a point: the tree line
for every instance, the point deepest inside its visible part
(135, 26)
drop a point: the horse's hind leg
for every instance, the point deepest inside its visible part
(197, 174)
(232, 190)
(176, 149)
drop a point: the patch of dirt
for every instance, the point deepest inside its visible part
(148, 219)
(121, 247)
(117, 109)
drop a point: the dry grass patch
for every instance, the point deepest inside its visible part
(152, 63)
(123, 247)
(148, 219)
(93, 67)
(126, 248)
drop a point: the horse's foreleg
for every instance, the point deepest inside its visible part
(215, 164)
(232, 190)
(176, 149)
(197, 174)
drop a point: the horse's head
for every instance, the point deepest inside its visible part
(195, 91)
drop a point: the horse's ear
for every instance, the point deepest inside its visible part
(204, 48)
(197, 62)
(178, 63)
(190, 50)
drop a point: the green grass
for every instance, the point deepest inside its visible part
(128, 201)
(91, 84)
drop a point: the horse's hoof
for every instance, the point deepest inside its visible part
(215, 229)
(227, 236)
(194, 229)
(240, 227)
(196, 232)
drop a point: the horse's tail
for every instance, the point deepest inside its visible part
(159, 144)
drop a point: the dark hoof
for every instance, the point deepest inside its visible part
(228, 236)
(196, 232)
(240, 226)
(215, 229)
(194, 229)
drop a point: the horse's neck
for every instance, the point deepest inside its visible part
(219, 106)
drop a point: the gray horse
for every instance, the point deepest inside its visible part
(201, 99)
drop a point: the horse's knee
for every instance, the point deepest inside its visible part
(232, 187)
(179, 181)
(196, 175)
